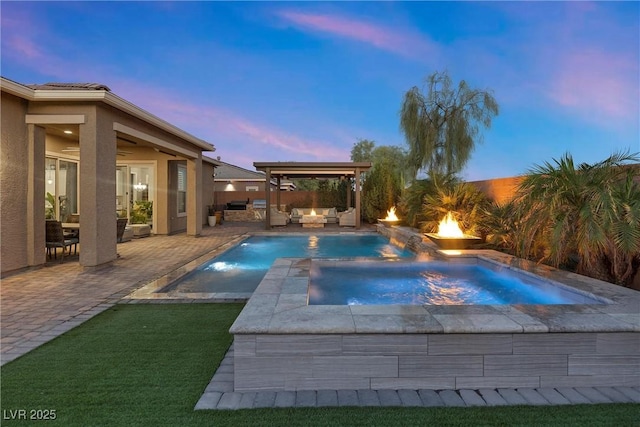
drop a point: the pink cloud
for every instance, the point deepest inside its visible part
(24, 47)
(15, 42)
(404, 43)
(228, 129)
(596, 83)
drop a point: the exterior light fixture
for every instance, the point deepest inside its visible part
(68, 132)
(139, 186)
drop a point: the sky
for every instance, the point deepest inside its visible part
(305, 81)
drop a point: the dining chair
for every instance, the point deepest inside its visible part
(55, 239)
(122, 224)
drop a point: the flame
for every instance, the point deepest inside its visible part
(391, 215)
(449, 227)
(313, 212)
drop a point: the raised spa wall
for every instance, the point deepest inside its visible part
(281, 343)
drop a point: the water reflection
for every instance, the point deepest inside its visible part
(220, 266)
(313, 242)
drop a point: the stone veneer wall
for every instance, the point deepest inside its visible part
(435, 361)
(248, 215)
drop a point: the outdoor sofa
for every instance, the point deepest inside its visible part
(330, 214)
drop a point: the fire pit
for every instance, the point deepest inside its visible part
(391, 218)
(450, 236)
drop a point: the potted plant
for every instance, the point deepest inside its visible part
(211, 217)
(142, 212)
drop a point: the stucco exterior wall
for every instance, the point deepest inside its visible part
(208, 197)
(14, 155)
(97, 129)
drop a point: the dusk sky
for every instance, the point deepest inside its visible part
(289, 81)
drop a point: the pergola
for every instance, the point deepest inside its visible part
(283, 170)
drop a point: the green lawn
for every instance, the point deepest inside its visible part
(148, 365)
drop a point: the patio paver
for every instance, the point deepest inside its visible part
(74, 295)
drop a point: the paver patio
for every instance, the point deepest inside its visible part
(40, 304)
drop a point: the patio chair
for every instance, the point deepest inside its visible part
(122, 224)
(279, 217)
(55, 239)
(347, 218)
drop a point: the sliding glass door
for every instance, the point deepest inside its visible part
(134, 192)
(61, 188)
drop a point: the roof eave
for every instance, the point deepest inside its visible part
(106, 97)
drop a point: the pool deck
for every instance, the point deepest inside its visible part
(37, 305)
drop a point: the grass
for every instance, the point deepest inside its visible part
(148, 365)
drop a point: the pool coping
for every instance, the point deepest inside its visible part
(279, 306)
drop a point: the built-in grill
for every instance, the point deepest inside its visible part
(237, 205)
(259, 204)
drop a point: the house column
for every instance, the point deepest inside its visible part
(97, 191)
(194, 196)
(35, 196)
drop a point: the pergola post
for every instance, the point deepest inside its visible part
(348, 192)
(357, 197)
(278, 192)
(267, 197)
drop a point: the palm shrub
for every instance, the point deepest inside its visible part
(591, 212)
(410, 205)
(465, 201)
(500, 225)
(412, 198)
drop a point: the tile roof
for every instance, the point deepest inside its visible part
(70, 86)
(228, 171)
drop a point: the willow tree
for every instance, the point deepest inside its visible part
(442, 126)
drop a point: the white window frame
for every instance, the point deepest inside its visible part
(252, 188)
(181, 169)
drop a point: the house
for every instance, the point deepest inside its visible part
(80, 149)
(234, 178)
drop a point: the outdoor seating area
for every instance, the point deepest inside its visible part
(328, 213)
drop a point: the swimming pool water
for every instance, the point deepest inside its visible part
(241, 268)
(433, 283)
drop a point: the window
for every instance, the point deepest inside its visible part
(251, 188)
(61, 188)
(182, 190)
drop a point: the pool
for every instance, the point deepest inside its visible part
(433, 282)
(242, 267)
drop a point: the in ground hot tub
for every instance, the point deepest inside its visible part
(474, 282)
(283, 343)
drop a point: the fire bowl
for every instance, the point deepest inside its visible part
(453, 242)
(388, 222)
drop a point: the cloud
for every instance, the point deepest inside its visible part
(16, 43)
(597, 82)
(408, 44)
(240, 136)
